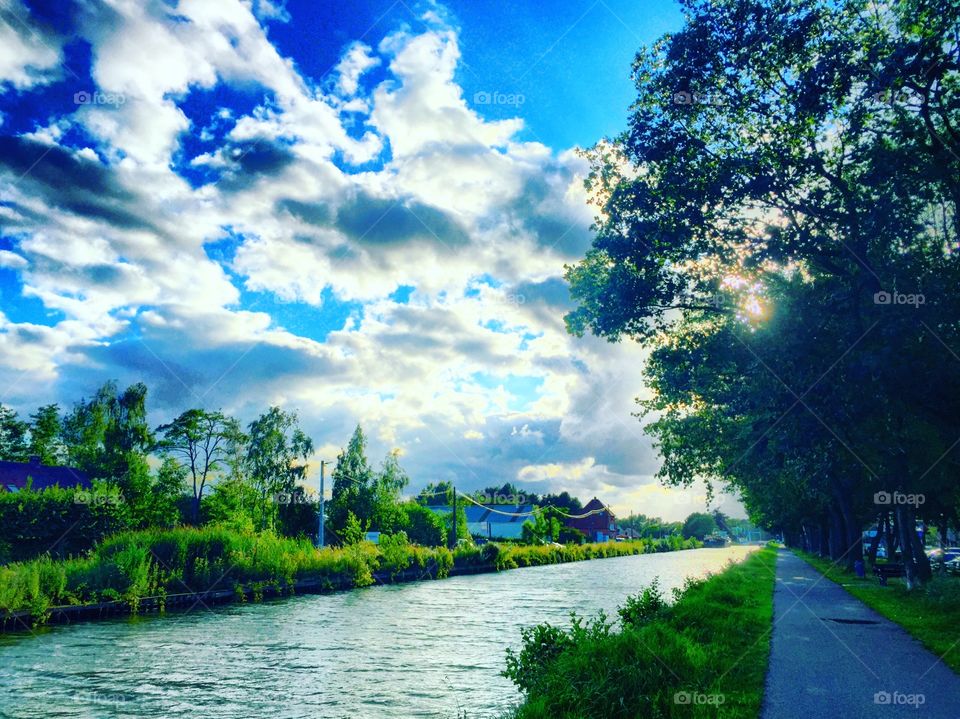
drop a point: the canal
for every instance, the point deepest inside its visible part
(429, 649)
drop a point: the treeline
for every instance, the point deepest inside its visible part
(784, 239)
(205, 468)
(202, 468)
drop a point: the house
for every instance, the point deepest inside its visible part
(493, 521)
(599, 526)
(14, 476)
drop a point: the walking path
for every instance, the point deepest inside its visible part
(832, 656)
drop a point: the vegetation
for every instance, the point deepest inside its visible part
(930, 613)
(156, 563)
(703, 656)
(779, 225)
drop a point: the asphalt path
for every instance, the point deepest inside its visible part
(833, 656)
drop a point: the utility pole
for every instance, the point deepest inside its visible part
(320, 534)
(453, 524)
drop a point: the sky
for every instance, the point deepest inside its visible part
(360, 211)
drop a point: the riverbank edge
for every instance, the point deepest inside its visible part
(930, 614)
(712, 655)
(27, 621)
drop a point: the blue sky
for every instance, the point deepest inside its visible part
(358, 210)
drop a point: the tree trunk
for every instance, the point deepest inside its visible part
(838, 538)
(942, 531)
(823, 539)
(915, 563)
(853, 531)
(881, 533)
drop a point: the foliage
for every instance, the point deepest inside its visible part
(58, 521)
(353, 531)
(133, 565)
(46, 436)
(545, 527)
(790, 170)
(202, 441)
(698, 525)
(644, 607)
(714, 640)
(395, 552)
(422, 525)
(276, 452)
(13, 436)
(352, 480)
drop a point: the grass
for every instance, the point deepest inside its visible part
(703, 656)
(156, 563)
(931, 613)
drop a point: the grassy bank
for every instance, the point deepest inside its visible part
(930, 613)
(156, 563)
(703, 656)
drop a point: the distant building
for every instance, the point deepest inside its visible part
(599, 527)
(14, 476)
(493, 521)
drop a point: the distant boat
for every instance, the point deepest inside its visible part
(715, 540)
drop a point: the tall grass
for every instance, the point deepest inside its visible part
(155, 563)
(703, 656)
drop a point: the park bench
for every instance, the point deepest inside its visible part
(885, 571)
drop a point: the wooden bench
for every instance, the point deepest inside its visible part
(885, 571)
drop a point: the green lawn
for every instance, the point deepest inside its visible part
(931, 613)
(704, 656)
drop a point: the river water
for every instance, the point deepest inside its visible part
(428, 649)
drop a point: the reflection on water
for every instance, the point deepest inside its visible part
(430, 649)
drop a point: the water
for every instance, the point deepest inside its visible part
(430, 649)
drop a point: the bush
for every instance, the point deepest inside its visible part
(423, 526)
(59, 522)
(644, 607)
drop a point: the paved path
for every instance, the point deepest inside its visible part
(832, 656)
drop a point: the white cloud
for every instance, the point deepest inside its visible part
(459, 200)
(29, 55)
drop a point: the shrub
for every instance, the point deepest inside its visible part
(642, 608)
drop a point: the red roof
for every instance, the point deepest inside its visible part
(14, 476)
(601, 521)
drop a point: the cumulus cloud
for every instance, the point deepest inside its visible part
(376, 254)
(30, 54)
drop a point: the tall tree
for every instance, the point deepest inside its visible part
(352, 484)
(387, 514)
(782, 207)
(203, 441)
(277, 450)
(108, 436)
(46, 440)
(13, 436)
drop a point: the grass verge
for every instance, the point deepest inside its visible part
(703, 656)
(156, 563)
(931, 613)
